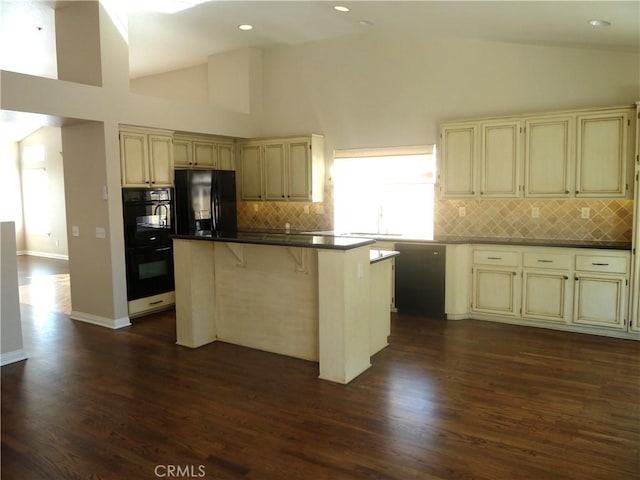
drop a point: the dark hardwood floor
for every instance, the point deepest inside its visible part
(446, 400)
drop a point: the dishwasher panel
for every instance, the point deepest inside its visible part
(420, 279)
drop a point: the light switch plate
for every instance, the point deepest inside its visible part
(535, 212)
(585, 212)
(75, 231)
(462, 211)
(101, 232)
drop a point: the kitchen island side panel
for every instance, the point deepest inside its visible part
(344, 289)
(195, 301)
(267, 298)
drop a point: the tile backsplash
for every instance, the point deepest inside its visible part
(558, 219)
(609, 220)
(301, 216)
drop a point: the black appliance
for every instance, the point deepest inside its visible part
(149, 222)
(420, 279)
(206, 202)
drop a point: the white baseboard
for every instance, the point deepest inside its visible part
(100, 321)
(44, 254)
(21, 252)
(12, 357)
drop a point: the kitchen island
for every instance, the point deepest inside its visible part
(304, 296)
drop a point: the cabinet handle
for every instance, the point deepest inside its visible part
(156, 302)
(567, 192)
(545, 261)
(600, 264)
(494, 258)
(566, 278)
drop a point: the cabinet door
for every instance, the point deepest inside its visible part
(299, 170)
(500, 160)
(599, 301)
(547, 160)
(602, 155)
(546, 296)
(225, 157)
(495, 291)
(134, 159)
(182, 153)
(161, 160)
(251, 172)
(274, 171)
(205, 154)
(458, 147)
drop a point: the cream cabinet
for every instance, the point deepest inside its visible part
(549, 151)
(567, 288)
(602, 159)
(578, 154)
(496, 282)
(500, 159)
(601, 290)
(634, 324)
(203, 152)
(146, 158)
(282, 169)
(458, 152)
(546, 286)
(251, 172)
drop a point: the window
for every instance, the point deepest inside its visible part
(385, 191)
(36, 201)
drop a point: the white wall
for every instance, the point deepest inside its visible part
(11, 190)
(55, 244)
(11, 346)
(188, 85)
(377, 90)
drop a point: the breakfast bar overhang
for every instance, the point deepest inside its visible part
(319, 298)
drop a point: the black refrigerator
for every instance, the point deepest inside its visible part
(205, 202)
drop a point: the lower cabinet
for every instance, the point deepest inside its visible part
(546, 295)
(495, 290)
(573, 289)
(601, 289)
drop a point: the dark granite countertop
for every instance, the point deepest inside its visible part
(376, 256)
(278, 238)
(530, 242)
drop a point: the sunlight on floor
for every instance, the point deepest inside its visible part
(47, 292)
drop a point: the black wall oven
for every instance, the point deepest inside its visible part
(148, 224)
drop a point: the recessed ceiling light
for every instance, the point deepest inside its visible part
(245, 26)
(341, 8)
(599, 23)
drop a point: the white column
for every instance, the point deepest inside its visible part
(195, 298)
(344, 313)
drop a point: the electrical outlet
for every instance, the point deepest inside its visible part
(256, 207)
(535, 212)
(75, 231)
(585, 212)
(462, 211)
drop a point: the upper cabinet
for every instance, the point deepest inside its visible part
(458, 154)
(282, 169)
(146, 158)
(582, 153)
(500, 159)
(549, 142)
(602, 160)
(203, 152)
